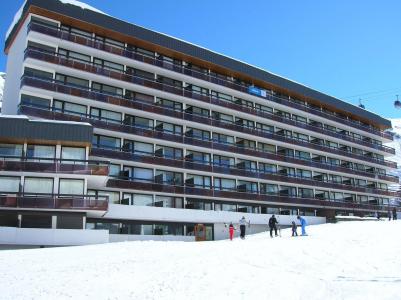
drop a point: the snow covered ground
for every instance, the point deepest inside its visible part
(352, 260)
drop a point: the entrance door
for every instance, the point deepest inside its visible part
(200, 232)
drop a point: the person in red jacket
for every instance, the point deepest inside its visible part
(231, 231)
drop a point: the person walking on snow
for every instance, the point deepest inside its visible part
(394, 214)
(272, 225)
(294, 229)
(303, 224)
(231, 229)
(242, 227)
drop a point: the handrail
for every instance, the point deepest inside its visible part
(182, 90)
(212, 78)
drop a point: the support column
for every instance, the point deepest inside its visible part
(54, 222)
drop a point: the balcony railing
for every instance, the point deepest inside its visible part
(211, 192)
(91, 42)
(187, 164)
(52, 165)
(47, 113)
(56, 86)
(59, 59)
(53, 201)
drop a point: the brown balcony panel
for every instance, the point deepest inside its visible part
(123, 52)
(187, 140)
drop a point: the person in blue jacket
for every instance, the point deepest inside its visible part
(303, 224)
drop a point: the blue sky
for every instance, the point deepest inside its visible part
(348, 49)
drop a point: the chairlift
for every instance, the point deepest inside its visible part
(397, 103)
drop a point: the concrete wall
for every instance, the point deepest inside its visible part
(149, 213)
(51, 237)
(131, 237)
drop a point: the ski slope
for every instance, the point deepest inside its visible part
(352, 260)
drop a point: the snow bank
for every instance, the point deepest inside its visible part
(80, 4)
(350, 260)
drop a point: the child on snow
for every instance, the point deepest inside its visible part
(294, 229)
(231, 230)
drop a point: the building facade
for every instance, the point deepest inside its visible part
(194, 139)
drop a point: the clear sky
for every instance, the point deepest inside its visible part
(349, 49)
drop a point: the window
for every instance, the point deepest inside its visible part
(70, 80)
(108, 41)
(107, 89)
(198, 133)
(138, 96)
(222, 96)
(304, 173)
(263, 108)
(37, 73)
(169, 81)
(224, 161)
(299, 119)
(114, 197)
(40, 151)
(69, 108)
(142, 200)
(244, 122)
(224, 184)
(246, 143)
(269, 189)
(43, 21)
(266, 148)
(198, 181)
(138, 122)
(169, 104)
(71, 186)
(197, 89)
(76, 31)
(165, 201)
(139, 73)
(106, 115)
(198, 157)
(302, 155)
(301, 137)
(114, 170)
(9, 184)
(167, 177)
(138, 147)
(34, 101)
(108, 65)
(168, 152)
(198, 111)
(288, 191)
(139, 174)
(38, 185)
(246, 165)
(11, 150)
(198, 204)
(168, 127)
(73, 55)
(305, 193)
(222, 138)
(222, 117)
(267, 168)
(73, 153)
(247, 186)
(264, 127)
(102, 141)
(243, 102)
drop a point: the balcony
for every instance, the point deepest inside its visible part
(49, 165)
(90, 42)
(55, 86)
(53, 202)
(275, 199)
(225, 170)
(46, 113)
(93, 68)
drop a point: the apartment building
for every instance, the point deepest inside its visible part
(194, 139)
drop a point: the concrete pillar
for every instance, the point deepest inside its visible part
(54, 222)
(84, 222)
(19, 220)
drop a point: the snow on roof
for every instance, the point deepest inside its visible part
(80, 4)
(61, 122)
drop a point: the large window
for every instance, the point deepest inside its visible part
(11, 150)
(41, 151)
(105, 115)
(166, 201)
(114, 197)
(102, 141)
(9, 184)
(38, 185)
(71, 186)
(224, 184)
(107, 89)
(167, 177)
(138, 147)
(34, 101)
(73, 55)
(108, 65)
(139, 174)
(198, 181)
(69, 108)
(70, 80)
(37, 73)
(137, 199)
(75, 153)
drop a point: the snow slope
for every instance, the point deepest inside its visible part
(353, 260)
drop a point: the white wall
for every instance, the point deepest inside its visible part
(14, 72)
(51, 237)
(149, 213)
(131, 237)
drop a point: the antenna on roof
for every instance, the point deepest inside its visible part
(397, 103)
(360, 104)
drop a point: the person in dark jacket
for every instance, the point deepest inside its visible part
(394, 214)
(272, 225)
(242, 227)
(294, 229)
